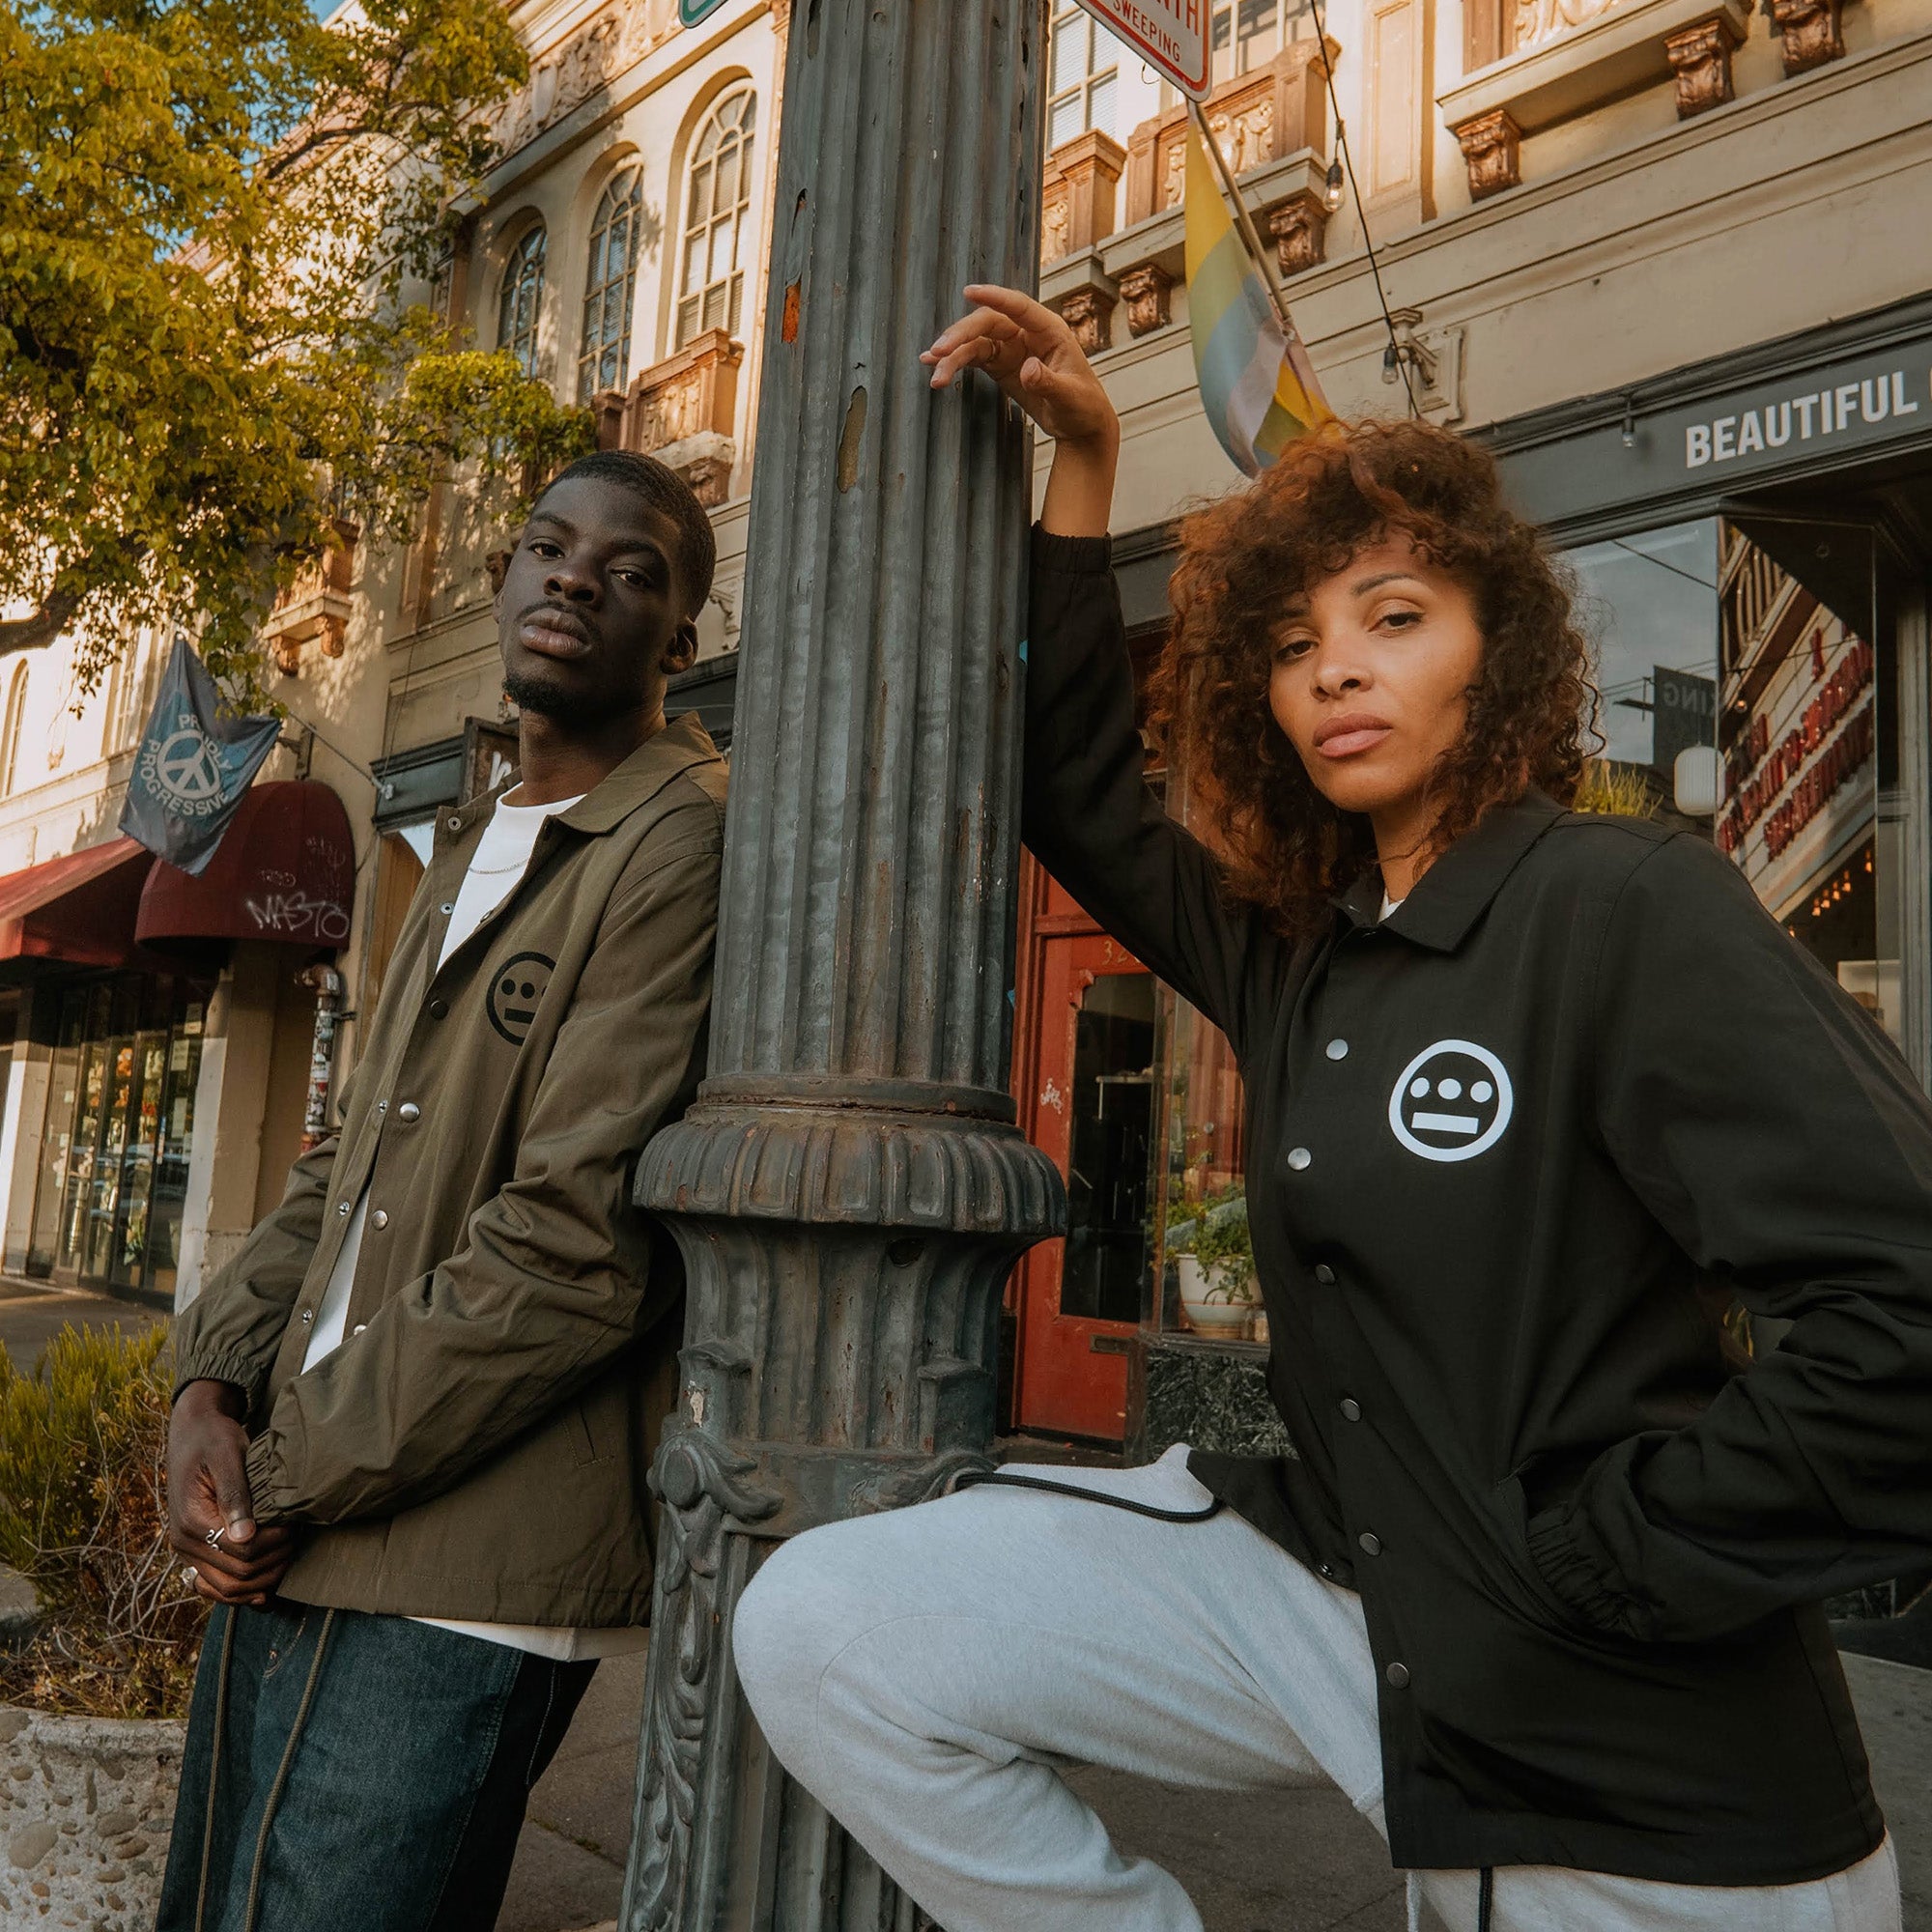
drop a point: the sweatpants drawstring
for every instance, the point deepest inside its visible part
(282, 1771)
(214, 1765)
(1485, 1898)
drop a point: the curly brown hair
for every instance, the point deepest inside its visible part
(1287, 850)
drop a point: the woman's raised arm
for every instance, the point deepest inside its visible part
(1088, 813)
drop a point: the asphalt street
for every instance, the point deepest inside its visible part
(32, 1313)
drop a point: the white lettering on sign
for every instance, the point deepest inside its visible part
(1172, 36)
(1825, 412)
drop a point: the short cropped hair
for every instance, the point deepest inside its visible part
(663, 489)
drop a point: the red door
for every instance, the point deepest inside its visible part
(1091, 1106)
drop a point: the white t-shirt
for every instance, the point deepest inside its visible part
(501, 856)
(1388, 905)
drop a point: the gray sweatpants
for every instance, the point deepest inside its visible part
(925, 1674)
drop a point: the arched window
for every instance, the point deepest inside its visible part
(717, 213)
(9, 727)
(521, 301)
(611, 287)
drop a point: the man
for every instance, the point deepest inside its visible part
(414, 1416)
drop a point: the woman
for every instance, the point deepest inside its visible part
(1530, 1094)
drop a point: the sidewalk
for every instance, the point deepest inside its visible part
(32, 1312)
(1254, 1861)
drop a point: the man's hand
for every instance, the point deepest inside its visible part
(1030, 352)
(208, 1490)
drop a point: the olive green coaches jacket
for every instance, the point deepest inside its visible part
(476, 1448)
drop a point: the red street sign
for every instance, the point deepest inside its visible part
(1172, 36)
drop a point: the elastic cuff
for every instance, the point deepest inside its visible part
(1574, 1577)
(1072, 556)
(259, 1467)
(220, 1366)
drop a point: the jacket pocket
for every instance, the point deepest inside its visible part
(582, 1443)
(1512, 1505)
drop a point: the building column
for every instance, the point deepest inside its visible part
(23, 1122)
(224, 1160)
(850, 1189)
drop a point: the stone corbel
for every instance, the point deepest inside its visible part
(1299, 226)
(1700, 57)
(1811, 35)
(1090, 313)
(1148, 292)
(1492, 146)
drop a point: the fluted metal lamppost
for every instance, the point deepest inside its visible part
(850, 1189)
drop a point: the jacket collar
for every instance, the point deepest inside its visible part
(683, 743)
(1455, 890)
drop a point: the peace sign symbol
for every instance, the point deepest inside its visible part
(186, 767)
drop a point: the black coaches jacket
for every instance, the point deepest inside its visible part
(1507, 1152)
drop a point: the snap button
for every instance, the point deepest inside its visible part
(1398, 1676)
(439, 1010)
(1372, 1544)
(1298, 1158)
(342, 1206)
(382, 1106)
(309, 1314)
(1338, 1049)
(380, 1218)
(449, 907)
(408, 1110)
(454, 823)
(1324, 1274)
(1328, 1570)
(358, 1328)
(1351, 1409)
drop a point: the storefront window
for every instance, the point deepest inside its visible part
(1740, 697)
(113, 1182)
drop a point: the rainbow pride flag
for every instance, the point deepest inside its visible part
(1257, 383)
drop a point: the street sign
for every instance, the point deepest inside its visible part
(690, 12)
(1172, 36)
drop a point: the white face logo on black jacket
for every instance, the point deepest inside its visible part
(1452, 1102)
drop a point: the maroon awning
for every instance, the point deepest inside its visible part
(79, 909)
(285, 870)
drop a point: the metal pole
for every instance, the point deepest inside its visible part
(850, 1189)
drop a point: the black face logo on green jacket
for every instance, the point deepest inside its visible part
(516, 992)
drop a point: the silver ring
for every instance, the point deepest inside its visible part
(188, 1577)
(214, 1537)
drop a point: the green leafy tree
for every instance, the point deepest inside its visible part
(210, 211)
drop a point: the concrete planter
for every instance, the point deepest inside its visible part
(85, 1809)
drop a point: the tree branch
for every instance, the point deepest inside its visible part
(26, 634)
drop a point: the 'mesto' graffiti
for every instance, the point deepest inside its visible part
(294, 915)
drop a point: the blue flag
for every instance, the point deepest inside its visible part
(194, 766)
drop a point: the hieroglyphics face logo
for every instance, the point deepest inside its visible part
(517, 991)
(1452, 1102)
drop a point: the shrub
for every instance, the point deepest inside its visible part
(83, 1513)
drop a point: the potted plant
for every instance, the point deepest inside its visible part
(98, 1636)
(1214, 1260)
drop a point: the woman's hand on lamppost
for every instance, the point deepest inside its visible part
(1030, 352)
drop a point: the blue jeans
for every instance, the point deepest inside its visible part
(349, 1770)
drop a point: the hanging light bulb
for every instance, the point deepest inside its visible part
(1331, 194)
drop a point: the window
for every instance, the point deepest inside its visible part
(1085, 67)
(1248, 32)
(10, 729)
(603, 358)
(124, 688)
(521, 301)
(717, 213)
